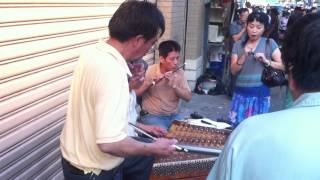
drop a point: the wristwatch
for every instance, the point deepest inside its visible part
(269, 63)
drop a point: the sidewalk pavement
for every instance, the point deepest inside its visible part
(214, 107)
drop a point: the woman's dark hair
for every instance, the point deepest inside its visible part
(257, 16)
(273, 26)
(260, 17)
(134, 18)
(166, 47)
(274, 12)
(301, 52)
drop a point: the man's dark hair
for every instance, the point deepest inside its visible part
(134, 18)
(301, 52)
(294, 17)
(242, 10)
(166, 47)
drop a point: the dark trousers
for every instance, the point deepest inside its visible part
(132, 168)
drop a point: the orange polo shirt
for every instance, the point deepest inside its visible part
(161, 99)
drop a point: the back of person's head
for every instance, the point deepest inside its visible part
(294, 17)
(134, 18)
(143, 62)
(257, 9)
(166, 47)
(301, 52)
(274, 12)
(314, 10)
(299, 9)
(285, 14)
(242, 10)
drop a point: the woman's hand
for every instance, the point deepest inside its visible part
(262, 58)
(247, 50)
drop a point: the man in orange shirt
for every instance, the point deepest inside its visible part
(164, 86)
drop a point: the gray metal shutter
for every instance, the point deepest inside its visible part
(150, 56)
(39, 46)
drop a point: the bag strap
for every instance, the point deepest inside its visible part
(267, 50)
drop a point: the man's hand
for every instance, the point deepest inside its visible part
(163, 147)
(138, 74)
(136, 81)
(168, 74)
(160, 147)
(152, 129)
(171, 76)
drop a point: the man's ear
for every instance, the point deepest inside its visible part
(294, 88)
(162, 59)
(138, 40)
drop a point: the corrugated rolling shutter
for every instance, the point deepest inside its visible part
(150, 56)
(39, 47)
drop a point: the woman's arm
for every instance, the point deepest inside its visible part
(237, 62)
(275, 62)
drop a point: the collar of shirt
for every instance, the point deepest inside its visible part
(158, 70)
(307, 100)
(105, 47)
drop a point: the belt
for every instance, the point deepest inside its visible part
(73, 169)
(115, 173)
(143, 113)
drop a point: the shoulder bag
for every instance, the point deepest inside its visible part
(272, 77)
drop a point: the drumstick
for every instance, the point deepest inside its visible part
(178, 148)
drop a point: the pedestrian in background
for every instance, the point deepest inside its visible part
(238, 28)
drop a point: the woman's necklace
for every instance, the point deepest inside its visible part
(252, 45)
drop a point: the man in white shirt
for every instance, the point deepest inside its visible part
(94, 141)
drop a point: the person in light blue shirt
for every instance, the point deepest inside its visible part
(282, 145)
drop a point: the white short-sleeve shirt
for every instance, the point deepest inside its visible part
(97, 109)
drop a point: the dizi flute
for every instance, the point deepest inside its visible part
(179, 67)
